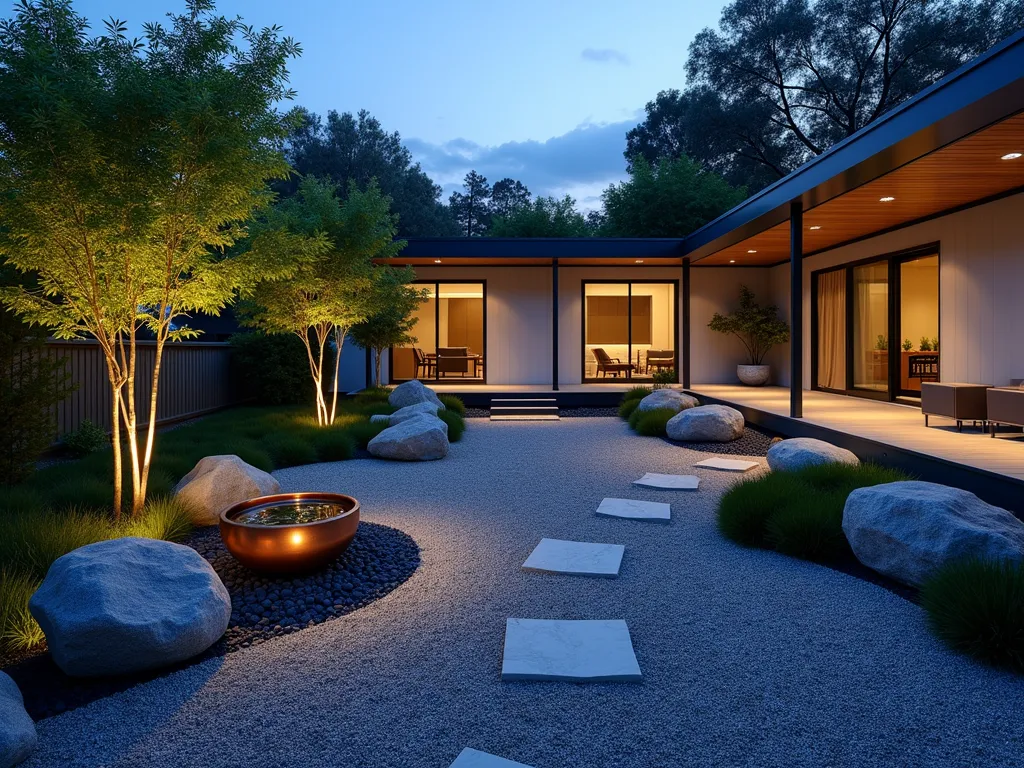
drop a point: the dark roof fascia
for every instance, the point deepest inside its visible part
(983, 91)
(542, 247)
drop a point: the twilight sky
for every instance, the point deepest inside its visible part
(542, 91)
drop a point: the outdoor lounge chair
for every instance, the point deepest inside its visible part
(658, 359)
(613, 365)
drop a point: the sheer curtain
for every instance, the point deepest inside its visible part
(832, 329)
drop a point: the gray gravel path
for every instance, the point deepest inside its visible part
(749, 658)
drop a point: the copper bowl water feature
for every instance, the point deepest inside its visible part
(289, 532)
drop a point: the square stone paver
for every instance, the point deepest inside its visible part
(574, 651)
(672, 482)
(729, 465)
(474, 758)
(633, 509)
(576, 557)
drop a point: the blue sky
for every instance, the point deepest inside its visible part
(539, 91)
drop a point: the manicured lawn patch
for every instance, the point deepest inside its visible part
(797, 513)
(977, 607)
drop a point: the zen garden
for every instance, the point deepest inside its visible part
(393, 574)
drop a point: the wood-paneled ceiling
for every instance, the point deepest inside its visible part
(958, 174)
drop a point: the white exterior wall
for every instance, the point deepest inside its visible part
(518, 309)
(981, 289)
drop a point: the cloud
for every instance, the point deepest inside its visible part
(581, 163)
(605, 56)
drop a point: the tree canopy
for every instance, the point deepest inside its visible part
(472, 208)
(507, 197)
(544, 217)
(390, 323)
(128, 168)
(670, 199)
(781, 81)
(347, 148)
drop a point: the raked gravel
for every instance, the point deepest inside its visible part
(749, 658)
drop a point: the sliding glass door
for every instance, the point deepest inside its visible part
(449, 336)
(629, 330)
(876, 325)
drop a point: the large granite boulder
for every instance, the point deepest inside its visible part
(667, 398)
(412, 392)
(907, 530)
(128, 605)
(217, 482)
(17, 731)
(421, 438)
(706, 424)
(412, 411)
(799, 452)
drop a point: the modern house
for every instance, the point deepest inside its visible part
(896, 256)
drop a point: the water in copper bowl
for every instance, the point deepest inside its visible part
(290, 532)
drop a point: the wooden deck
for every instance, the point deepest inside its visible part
(901, 426)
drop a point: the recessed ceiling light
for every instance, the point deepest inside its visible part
(437, 261)
(751, 251)
(639, 261)
(816, 226)
(886, 199)
(1011, 156)
(732, 261)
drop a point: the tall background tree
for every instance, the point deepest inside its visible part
(127, 169)
(781, 81)
(507, 197)
(472, 208)
(544, 217)
(670, 199)
(347, 148)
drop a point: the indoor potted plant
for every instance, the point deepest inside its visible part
(759, 328)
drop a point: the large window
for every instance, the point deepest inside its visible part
(450, 334)
(876, 325)
(629, 330)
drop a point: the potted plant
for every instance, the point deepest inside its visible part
(759, 328)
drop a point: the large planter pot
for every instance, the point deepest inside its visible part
(284, 546)
(753, 375)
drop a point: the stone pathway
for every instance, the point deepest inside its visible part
(474, 758)
(580, 558)
(671, 482)
(584, 651)
(633, 509)
(729, 465)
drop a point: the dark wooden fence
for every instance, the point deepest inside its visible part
(195, 378)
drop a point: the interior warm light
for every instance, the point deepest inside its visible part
(1011, 156)
(886, 199)
(816, 226)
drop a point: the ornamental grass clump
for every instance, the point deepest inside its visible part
(453, 403)
(798, 513)
(456, 424)
(651, 423)
(18, 630)
(977, 607)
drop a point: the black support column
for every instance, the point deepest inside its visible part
(554, 325)
(796, 309)
(685, 378)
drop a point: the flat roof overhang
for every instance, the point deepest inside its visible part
(540, 251)
(937, 152)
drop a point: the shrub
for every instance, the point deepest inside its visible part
(86, 439)
(977, 608)
(289, 450)
(164, 518)
(456, 424)
(453, 403)
(664, 378)
(18, 630)
(809, 526)
(334, 444)
(636, 393)
(627, 407)
(652, 423)
(744, 509)
(364, 431)
(271, 369)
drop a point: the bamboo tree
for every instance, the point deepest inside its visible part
(128, 168)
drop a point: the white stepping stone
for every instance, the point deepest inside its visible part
(674, 482)
(474, 758)
(574, 651)
(729, 465)
(576, 557)
(632, 509)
